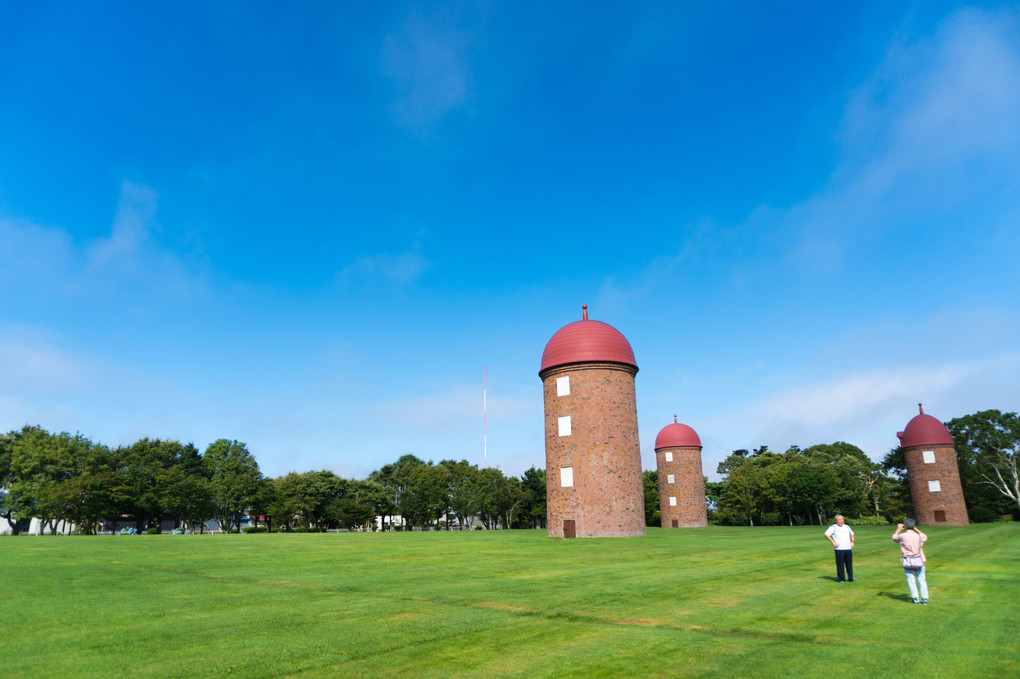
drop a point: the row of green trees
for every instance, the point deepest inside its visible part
(762, 487)
(805, 486)
(60, 477)
(423, 494)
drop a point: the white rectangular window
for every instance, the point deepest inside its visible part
(565, 425)
(566, 477)
(928, 456)
(669, 457)
(670, 478)
(934, 486)
(672, 502)
(563, 386)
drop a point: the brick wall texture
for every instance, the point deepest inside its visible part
(607, 498)
(946, 471)
(688, 487)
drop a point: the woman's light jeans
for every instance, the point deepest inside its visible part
(915, 578)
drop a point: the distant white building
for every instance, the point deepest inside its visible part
(35, 527)
(390, 522)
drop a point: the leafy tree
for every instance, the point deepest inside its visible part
(500, 498)
(40, 461)
(261, 502)
(743, 496)
(857, 475)
(426, 494)
(62, 477)
(386, 506)
(715, 497)
(148, 464)
(309, 498)
(796, 487)
(186, 493)
(357, 506)
(533, 482)
(987, 447)
(286, 501)
(7, 479)
(812, 486)
(320, 490)
(651, 486)
(235, 477)
(899, 502)
(95, 488)
(464, 489)
(396, 480)
(14, 506)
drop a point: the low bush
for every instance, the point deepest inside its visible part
(868, 521)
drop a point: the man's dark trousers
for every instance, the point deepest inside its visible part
(845, 557)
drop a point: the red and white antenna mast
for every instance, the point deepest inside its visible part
(485, 426)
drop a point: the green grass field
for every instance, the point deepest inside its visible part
(718, 602)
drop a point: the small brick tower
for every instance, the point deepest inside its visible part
(592, 453)
(933, 473)
(681, 483)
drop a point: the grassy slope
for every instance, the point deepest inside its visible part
(758, 602)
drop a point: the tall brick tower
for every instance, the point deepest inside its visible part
(681, 483)
(592, 453)
(933, 473)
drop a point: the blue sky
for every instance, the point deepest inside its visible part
(308, 228)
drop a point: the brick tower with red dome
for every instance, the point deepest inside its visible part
(681, 483)
(933, 473)
(592, 453)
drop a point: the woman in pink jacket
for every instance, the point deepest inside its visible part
(911, 545)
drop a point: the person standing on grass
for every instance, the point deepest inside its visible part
(912, 558)
(842, 538)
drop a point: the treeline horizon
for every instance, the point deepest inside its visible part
(60, 477)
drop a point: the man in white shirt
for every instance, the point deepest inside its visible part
(842, 538)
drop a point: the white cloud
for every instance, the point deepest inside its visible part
(33, 256)
(912, 132)
(130, 234)
(867, 408)
(128, 262)
(29, 365)
(396, 270)
(935, 125)
(968, 99)
(427, 62)
(132, 255)
(458, 409)
(860, 397)
(44, 381)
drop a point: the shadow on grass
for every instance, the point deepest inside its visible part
(897, 596)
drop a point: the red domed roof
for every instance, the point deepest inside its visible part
(587, 341)
(924, 430)
(677, 435)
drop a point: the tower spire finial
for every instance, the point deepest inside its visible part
(674, 420)
(584, 312)
(920, 408)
